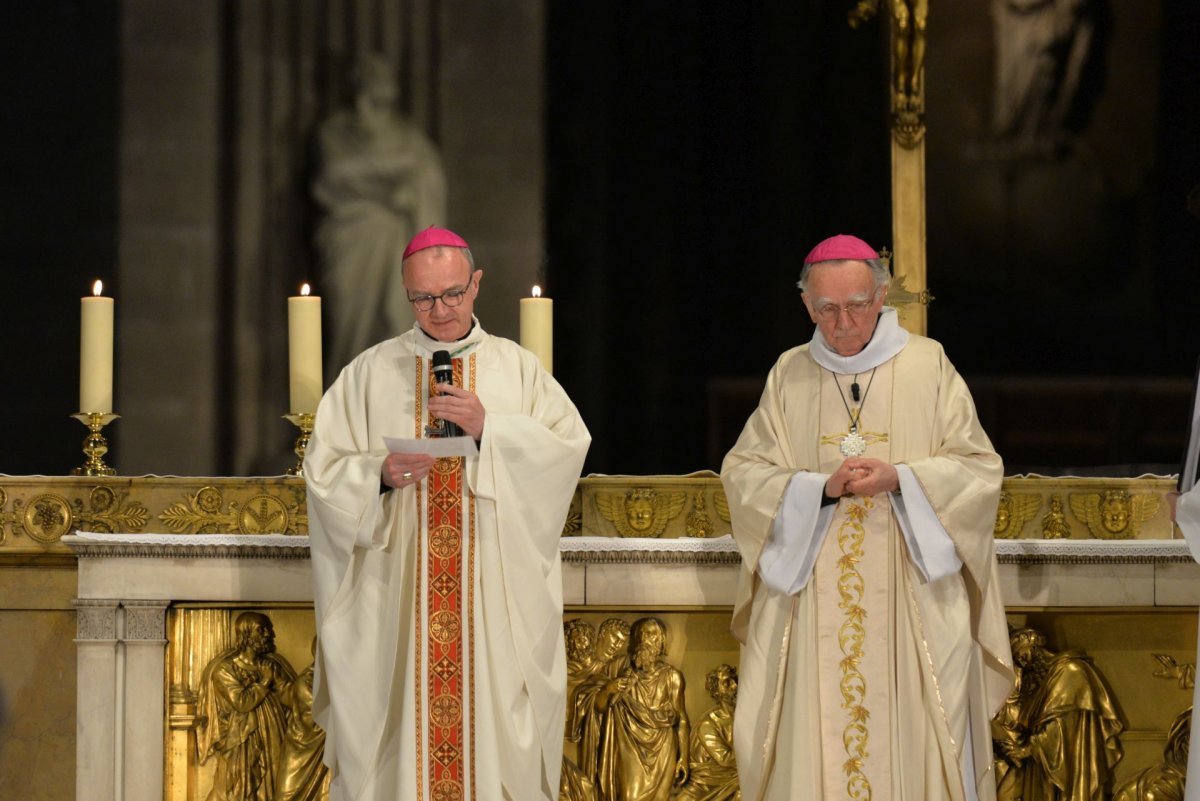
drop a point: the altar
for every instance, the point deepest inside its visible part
(165, 566)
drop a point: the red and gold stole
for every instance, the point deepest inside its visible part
(447, 615)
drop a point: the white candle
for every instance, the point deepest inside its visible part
(96, 352)
(537, 328)
(304, 351)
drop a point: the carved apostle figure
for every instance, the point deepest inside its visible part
(1069, 723)
(644, 745)
(302, 774)
(242, 715)
(584, 721)
(714, 774)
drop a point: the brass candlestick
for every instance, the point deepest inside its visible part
(94, 444)
(304, 422)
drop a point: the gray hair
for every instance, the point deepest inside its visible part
(879, 271)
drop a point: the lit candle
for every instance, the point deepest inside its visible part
(304, 351)
(96, 352)
(537, 327)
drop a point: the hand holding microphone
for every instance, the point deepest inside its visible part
(459, 410)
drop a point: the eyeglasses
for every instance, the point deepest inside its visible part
(855, 308)
(451, 297)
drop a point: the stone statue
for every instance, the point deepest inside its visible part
(644, 745)
(584, 722)
(379, 181)
(241, 713)
(1066, 743)
(714, 774)
(302, 776)
(1042, 48)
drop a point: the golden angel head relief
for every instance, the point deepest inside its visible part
(640, 512)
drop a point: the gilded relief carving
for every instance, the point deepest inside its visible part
(1056, 737)
(207, 512)
(108, 510)
(640, 512)
(645, 740)
(1054, 524)
(46, 518)
(626, 714)
(1168, 778)
(1013, 512)
(241, 712)
(714, 775)
(302, 774)
(1114, 514)
(698, 523)
(721, 505)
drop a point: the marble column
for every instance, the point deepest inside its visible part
(144, 641)
(96, 717)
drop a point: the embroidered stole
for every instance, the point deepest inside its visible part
(444, 669)
(852, 580)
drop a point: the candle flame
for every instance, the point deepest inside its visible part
(98, 287)
(537, 291)
(305, 290)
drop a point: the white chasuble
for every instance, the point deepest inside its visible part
(865, 680)
(440, 668)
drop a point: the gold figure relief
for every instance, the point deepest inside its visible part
(645, 749)
(242, 715)
(1114, 514)
(640, 512)
(698, 522)
(1057, 735)
(1054, 524)
(714, 775)
(1013, 512)
(1166, 779)
(302, 775)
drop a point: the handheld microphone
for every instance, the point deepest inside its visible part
(443, 373)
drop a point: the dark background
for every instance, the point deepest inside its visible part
(695, 152)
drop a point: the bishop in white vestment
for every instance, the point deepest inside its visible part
(1186, 512)
(863, 494)
(440, 666)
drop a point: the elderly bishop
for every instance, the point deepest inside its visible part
(863, 494)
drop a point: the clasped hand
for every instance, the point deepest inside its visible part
(861, 476)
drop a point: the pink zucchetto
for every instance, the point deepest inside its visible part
(839, 248)
(433, 237)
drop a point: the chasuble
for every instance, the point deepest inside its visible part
(873, 668)
(1188, 516)
(440, 666)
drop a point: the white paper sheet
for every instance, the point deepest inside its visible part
(434, 446)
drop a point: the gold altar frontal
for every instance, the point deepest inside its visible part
(152, 590)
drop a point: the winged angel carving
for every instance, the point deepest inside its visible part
(1014, 511)
(640, 512)
(1114, 514)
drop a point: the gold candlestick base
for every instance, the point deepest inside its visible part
(304, 422)
(94, 444)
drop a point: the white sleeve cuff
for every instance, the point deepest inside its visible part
(931, 548)
(787, 560)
